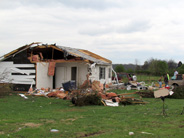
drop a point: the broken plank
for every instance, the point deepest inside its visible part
(22, 76)
(24, 65)
(23, 71)
(23, 82)
(127, 97)
(127, 93)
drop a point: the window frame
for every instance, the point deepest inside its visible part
(102, 71)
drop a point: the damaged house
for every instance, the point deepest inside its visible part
(44, 66)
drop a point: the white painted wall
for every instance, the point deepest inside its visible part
(43, 80)
(82, 71)
(60, 76)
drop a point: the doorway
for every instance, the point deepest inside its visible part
(74, 74)
(60, 76)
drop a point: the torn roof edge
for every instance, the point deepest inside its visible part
(87, 55)
(72, 51)
(18, 50)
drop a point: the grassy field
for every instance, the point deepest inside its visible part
(147, 78)
(37, 116)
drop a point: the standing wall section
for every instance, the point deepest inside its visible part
(19, 71)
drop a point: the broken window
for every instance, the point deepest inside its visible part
(102, 73)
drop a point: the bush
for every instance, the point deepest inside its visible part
(5, 89)
(87, 99)
(178, 93)
(146, 94)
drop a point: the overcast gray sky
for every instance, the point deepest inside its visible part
(123, 31)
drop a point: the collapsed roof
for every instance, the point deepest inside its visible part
(53, 51)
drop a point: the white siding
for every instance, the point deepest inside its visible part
(8, 68)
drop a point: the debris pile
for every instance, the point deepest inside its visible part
(58, 93)
(94, 92)
(89, 93)
(137, 85)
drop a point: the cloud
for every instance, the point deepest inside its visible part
(134, 26)
(127, 28)
(92, 4)
(78, 4)
(94, 30)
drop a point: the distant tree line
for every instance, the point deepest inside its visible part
(152, 67)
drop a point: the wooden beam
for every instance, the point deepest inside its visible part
(65, 61)
(60, 61)
(55, 47)
(20, 49)
(10, 53)
(40, 47)
(127, 93)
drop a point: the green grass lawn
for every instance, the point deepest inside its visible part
(36, 116)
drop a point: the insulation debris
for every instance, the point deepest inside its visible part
(163, 92)
(35, 58)
(111, 103)
(137, 85)
(22, 95)
(51, 69)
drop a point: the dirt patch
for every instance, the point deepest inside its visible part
(1, 132)
(69, 121)
(181, 126)
(74, 110)
(25, 125)
(32, 125)
(47, 121)
(82, 135)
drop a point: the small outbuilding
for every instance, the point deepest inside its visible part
(50, 65)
